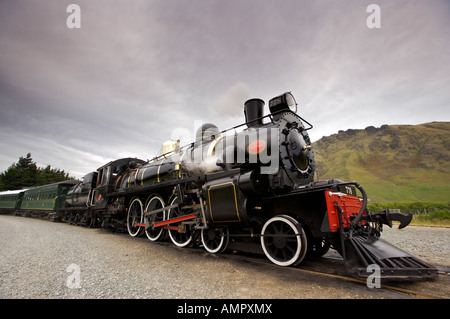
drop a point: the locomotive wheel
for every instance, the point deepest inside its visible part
(92, 220)
(215, 240)
(135, 216)
(153, 233)
(284, 241)
(180, 239)
(77, 220)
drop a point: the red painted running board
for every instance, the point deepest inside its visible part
(169, 221)
(175, 220)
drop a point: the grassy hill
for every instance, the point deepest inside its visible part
(408, 163)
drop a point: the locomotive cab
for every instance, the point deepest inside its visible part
(108, 176)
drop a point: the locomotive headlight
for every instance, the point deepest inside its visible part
(284, 102)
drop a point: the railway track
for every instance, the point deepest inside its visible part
(343, 277)
(410, 292)
(315, 266)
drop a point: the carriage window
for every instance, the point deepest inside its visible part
(106, 176)
(115, 171)
(99, 177)
(103, 176)
(87, 179)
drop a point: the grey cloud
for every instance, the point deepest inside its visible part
(138, 69)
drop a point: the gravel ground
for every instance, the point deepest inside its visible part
(431, 244)
(35, 255)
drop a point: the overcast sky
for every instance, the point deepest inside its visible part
(136, 70)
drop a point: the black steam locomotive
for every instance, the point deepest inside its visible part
(250, 188)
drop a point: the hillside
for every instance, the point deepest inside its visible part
(392, 162)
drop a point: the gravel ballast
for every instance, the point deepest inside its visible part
(41, 259)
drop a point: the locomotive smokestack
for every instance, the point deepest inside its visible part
(253, 110)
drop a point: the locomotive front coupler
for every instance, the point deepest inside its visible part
(386, 217)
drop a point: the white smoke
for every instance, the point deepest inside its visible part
(207, 165)
(231, 102)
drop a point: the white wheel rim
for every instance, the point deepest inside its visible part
(212, 250)
(292, 223)
(172, 233)
(160, 230)
(131, 231)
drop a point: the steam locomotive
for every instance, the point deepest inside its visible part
(247, 188)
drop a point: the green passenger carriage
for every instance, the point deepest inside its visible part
(47, 198)
(10, 200)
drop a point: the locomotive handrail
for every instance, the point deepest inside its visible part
(271, 119)
(363, 207)
(314, 186)
(172, 153)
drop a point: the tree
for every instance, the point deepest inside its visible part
(20, 175)
(48, 175)
(26, 174)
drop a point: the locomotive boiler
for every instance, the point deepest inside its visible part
(250, 187)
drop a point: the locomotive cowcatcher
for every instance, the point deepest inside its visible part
(248, 188)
